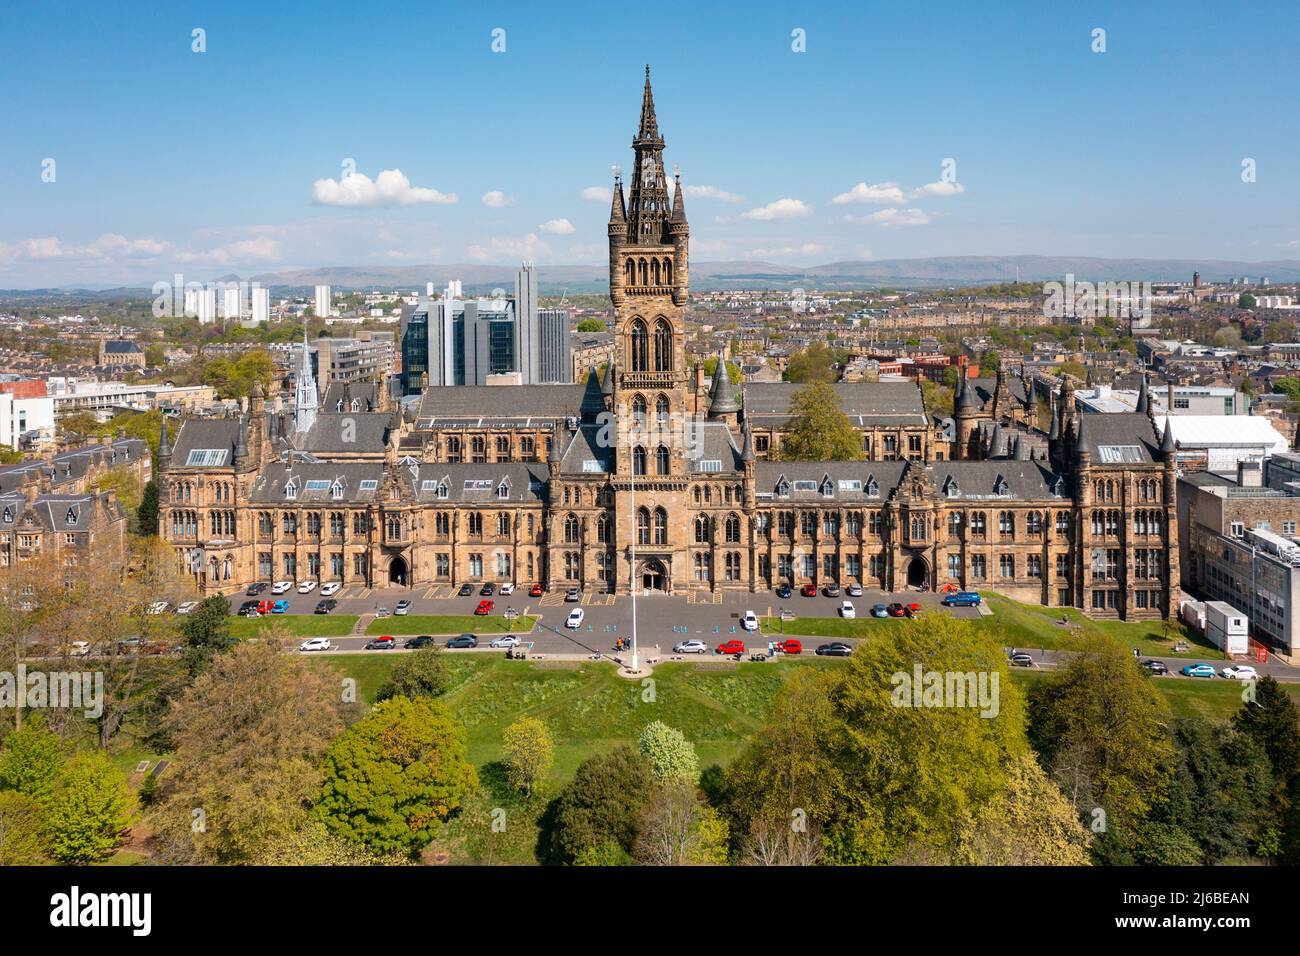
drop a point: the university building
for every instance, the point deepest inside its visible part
(562, 483)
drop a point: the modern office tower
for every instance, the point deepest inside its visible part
(261, 305)
(556, 361)
(527, 344)
(231, 304)
(428, 290)
(206, 306)
(323, 301)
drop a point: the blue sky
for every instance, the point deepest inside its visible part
(209, 162)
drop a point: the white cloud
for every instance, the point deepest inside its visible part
(598, 194)
(804, 249)
(939, 189)
(711, 192)
(496, 199)
(558, 227)
(261, 249)
(507, 248)
(390, 188)
(877, 193)
(894, 217)
(108, 246)
(780, 209)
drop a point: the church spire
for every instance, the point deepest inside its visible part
(648, 131)
(648, 209)
(304, 408)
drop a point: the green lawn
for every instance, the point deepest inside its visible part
(822, 626)
(299, 625)
(1215, 700)
(449, 624)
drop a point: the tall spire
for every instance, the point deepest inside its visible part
(649, 128)
(722, 398)
(648, 200)
(618, 211)
(679, 201)
(304, 408)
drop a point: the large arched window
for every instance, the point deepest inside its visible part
(630, 272)
(663, 346)
(668, 272)
(638, 411)
(602, 529)
(733, 529)
(661, 460)
(571, 529)
(638, 460)
(661, 526)
(642, 526)
(639, 344)
(701, 529)
(661, 410)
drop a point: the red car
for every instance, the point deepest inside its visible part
(264, 607)
(791, 646)
(732, 646)
(913, 610)
(808, 590)
(535, 591)
(484, 607)
(897, 610)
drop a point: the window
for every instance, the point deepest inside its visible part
(977, 524)
(661, 460)
(1034, 523)
(206, 457)
(1006, 566)
(1006, 523)
(1034, 566)
(733, 529)
(978, 566)
(954, 566)
(661, 526)
(571, 529)
(638, 460)
(701, 529)
(642, 526)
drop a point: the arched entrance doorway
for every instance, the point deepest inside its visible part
(653, 576)
(397, 571)
(916, 573)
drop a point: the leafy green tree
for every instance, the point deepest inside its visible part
(24, 840)
(529, 752)
(591, 325)
(422, 673)
(147, 513)
(206, 631)
(1271, 722)
(676, 828)
(600, 806)
(395, 775)
(89, 810)
(990, 362)
(671, 755)
(30, 760)
(1032, 824)
(817, 363)
(818, 429)
(1245, 301)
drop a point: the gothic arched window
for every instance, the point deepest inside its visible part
(630, 272)
(654, 270)
(668, 272)
(638, 411)
(661, 526)
(661, 460)
(702, 529)
(663, 346)
(642, 526)
(645, 273)
(571, 529)
(639, 345)
(661, 410)
(638, 460)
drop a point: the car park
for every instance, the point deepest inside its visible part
(572, 595)
(415, 643)
(465, 590)
(255, 589)
(307, 587)
(732, 646)
(749, 621)
(1154, 667)
(506, 589)
(1197, 670)
(854, 590)
(1021, 659)
(331, 589)
(897, 610)
(1239, 672)
(325, 606)
(385, 643)
(186, 607)
(315, 644)
(536, 591)
(575, 619)
(834, 649)
(831, 590)
(487, 589)
(402, 607)
(690, 647)
(280, 587)
(808, 590)
(462, 641)
(879, 610)
(784, 591)
(484, 607)
(790, 645)
(280, 606)
(509, 640)
(847, 610)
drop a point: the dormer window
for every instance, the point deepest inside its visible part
(503, 490)
(356, 404)
(950, 488)
(71, 517)
(443, 489)
(873, 487)
(1001, 487)
(827, 487)
(291, 489)
(9, 515)
(338, 407)
(1058, 487)
(782, 488)
(336, 490)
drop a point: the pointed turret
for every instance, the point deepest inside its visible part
(996, 441)
(679, 201)
(1021, 452)
(1055, 433)
(1143, 402)
(164, 446)
(607, 386)
(1167, 444)
(722, 397)
(648, 131)
(966, 398)
(618, 208)
(241, 439)
(747, 453)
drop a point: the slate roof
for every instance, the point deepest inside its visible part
(583, 446)
(865, 403)
(1120, 429)
(51, 512)
(977, 480)
(887, 474)
(985, 388)
(198, 433)
(508, 404)
(73, 465)
(365, 393)
(121, 347)
(331, 431)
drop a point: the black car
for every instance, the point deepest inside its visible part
(1021, 659)
(464, 640)
(488, 589)
(1155, 667)
(256, 589)
(381, 644)
(784, 591)
(248, 607)
(835, 649)
(424, 640)
(327, 605)
(831, 590)
(466, 590)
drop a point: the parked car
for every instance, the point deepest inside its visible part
(897, 610)
(129, 645)
(784, 591)
(854, 590)
(264, 607)
(847, 610)
(307, 587)
(913, 610)
(1239, 672)
(1021, 659)
(690, 647)
(879, 610)
(402, 607)
(835, 649)
(749, 621)
(732, 646)
(831, 590)
(1197, 670)
(962, 599)
(465, 590)
(424, 640)
(255, 589)
(509, 640)
(572, 595)
(248, 608)
(157, 607)
(280, 606)
(325, 606)
(382, 612)
(1155, 667)
(506, 589)
(331, 589)
(484, 607)
(280, 587)
(79, 648)
(186, 607)
(791, 645)
(385, 643)
(315, 644)
(464, 640)
(536, 591)
(808, 590)
(575, 619)
(487, 589)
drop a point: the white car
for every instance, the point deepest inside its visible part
(509, 640)
(847, 610)
(331, 589)
(158, 607)
(315, 644)
(280, 587)
(506, 589)
(750, 621)
(79, 648)
(1239, 672)
(187, 607)
(575, 618)
(691, 647)
(307, 587)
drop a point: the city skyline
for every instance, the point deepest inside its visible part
(1003, 134)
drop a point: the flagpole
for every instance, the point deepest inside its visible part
(635, 531)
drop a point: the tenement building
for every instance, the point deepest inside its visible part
(564, 484)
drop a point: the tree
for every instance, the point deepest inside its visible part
(529, 752)
(89, 809)
(312, 844)
(147, 513)
(394, 776)
(1245, 301)
(206, 631)
(818, 429)
(24, 839)
(817, 363)
(671, 755)
(1032, 824)
(30, 760)
(422, 673)
(676, 828)
(591, 325)
(249, 735)
(600, 806)
(990, 362)
(1271, 722)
